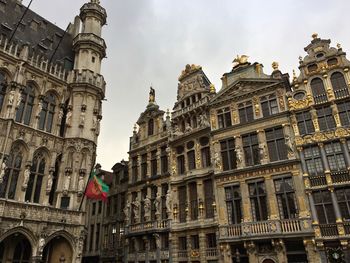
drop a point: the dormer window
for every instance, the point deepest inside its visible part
(319, 55)
(150, 127)
(312, 68)
(332, 62)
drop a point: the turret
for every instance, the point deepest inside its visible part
(88, 46)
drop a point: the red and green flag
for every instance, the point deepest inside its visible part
(96, 189)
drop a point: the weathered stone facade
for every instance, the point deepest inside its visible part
(257, 172)
(50, 111)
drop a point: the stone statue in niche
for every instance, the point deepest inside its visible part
(217, 160)
(41, 245)
(127, 211)
(81, 183)
(19, 75)
(39, 109)
(147, 208)
(18, 98)
(262, 151)
(60, 115)
(82, 118)
(290, 146)
(66, 183)
(188, 127)
(26, 176)
(136, 209)
(157, 203)
(203, 121)
(168, 202)
(3, 170)
(11, 97)
(69, 118)
(49, 181)
(239, 155)
(94, 122)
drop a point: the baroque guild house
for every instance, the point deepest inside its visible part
(51, 94)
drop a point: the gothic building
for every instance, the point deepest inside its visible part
(256, 172)
(50, 110)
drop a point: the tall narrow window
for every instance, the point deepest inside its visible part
(224, 117)
(335, 156)
(22, 252)
(142, 204)
(209, 198)
(14, 164)
(164, 208)
(36, 178)
(180, 160)
(134, 169)
(339, 85)
(313, 160)
(25, 109)
(343, 197)
(150, 127)
(182, 243)
(324, 207)
(154, 191)
(276, 144)
(344, 112)
(211, 240)
(257, 194)
(205, 152)
(251, 149)
(154, 166)
(305, 125)
(164, 160)
(286, 198)
(193, 201)
(195, 242)
(318, 90)
(144, 166)
(233, 204)
(246, 112)
(97, 240)
(269, 105)
(47, 113)
(3, 86)
(182, 195)
(92, 232)
(228, 154)
(325, 118)
(191, 158)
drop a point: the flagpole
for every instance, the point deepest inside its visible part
(87, 183)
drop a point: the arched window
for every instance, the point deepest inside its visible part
(36, 178)
(22, 252)
(47, 112)
(150, 127)
(339, 85)
(14, 164)
(24, 112)
(3, 85)
(318, 90)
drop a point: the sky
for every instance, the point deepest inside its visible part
(150, 42)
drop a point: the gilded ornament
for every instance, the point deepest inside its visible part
(317, 232)
(330, 94)
(189, 69)
(341, 132)
(256, 106)
(318, 137)
(341, 230)
(240, 60)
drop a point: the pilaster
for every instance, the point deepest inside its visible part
(272, 200)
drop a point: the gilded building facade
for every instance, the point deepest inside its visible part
(50, 110)
(256, 172)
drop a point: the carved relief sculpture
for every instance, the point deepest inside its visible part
(168, 202)
(69, 118)
(11, 97)
(127, 212)
(239, 155)
(136, 209)
(290, 147)
(147, 208)
(157, 204)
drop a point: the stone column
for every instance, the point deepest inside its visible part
(200, 197)
(312, 255)
(314, 118)
(336, 117)
(313, 209)
(251, 250)
(159, 165)
(304, 211)
(345, 149)
(272, 200)
(327, 170)
(247, 212)
(202, 247)
(336, 206)
(198, 155)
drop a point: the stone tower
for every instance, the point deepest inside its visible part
(50, 111)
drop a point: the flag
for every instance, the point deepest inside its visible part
(96, 189)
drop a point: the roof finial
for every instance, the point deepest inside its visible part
(95, 1)
(314, 35)
(239, 60)
(152, 95)
(212, 88)
(275, 65)
(338, 46)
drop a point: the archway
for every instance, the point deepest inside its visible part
(15, 248)
(268, 261)
(58, 249)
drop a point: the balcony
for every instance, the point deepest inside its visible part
(340, 177)
(86, 76)
(211, 253)
(14, 210)
(341, 93)
(89, 37)
(266, 229)
(182, 254)
(329, 230)
(319, 180)
(148, 226)
(189, 108)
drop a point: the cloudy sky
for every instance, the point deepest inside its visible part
(151, 41)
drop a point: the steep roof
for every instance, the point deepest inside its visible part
(42, 36)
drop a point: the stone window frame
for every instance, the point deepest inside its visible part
(283, 195)
(313, 160)
(258, 200)
(267, 108)
(325, 118)
(340, 88)
(344, 112)
(246, 112)
(335, 156)
(234, 204)
(224, 117)
(324, 204)
(251, 148)
(304, 122)
(318, 90)
(228, 154)
(36, 178)
(276, 144)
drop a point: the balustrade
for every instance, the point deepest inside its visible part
(329, 230)
(340, 177)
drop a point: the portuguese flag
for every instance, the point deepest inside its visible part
(96, 189)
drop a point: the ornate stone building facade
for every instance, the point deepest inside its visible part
(50, 110)
(257, 172)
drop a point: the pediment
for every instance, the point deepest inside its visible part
(243, 88)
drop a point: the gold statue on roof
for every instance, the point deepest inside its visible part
(239, 60)
(152, 95)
